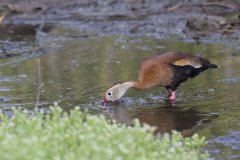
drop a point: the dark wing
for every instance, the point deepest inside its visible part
(187, 66)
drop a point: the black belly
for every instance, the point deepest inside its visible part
(182, 73)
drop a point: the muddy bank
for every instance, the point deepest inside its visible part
(195, 21)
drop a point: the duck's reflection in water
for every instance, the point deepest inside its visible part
(165, 119)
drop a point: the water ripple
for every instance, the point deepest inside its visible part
(229, 80)
(232, 140)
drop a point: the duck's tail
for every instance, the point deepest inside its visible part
(210, 65)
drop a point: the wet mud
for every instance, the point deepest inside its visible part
(193, 21)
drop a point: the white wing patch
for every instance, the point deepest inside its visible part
(184, 62)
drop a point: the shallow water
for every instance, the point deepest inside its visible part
(79, 72)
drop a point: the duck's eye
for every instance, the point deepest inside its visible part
(109, 93)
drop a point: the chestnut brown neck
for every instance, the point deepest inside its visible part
(140, 85)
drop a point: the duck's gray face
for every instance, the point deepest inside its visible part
(117, 91)
(113, 94)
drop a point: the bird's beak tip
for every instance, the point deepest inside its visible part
(105, 100)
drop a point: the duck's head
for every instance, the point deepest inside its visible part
(117, 91)
(114, 93)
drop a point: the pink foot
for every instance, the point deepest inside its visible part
(172, 95)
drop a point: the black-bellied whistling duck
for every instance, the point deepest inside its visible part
(167, 70)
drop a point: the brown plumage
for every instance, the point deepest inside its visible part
(167, 70)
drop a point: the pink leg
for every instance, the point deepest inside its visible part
(171, 95)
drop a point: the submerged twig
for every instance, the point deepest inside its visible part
(39, 82)
(39, 29)
(2, 17)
